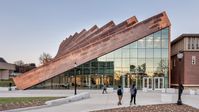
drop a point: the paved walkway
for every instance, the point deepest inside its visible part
(97, 101)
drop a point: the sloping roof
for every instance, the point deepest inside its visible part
(2, 60)
(6, 66)
(182, 36)
(88, 45)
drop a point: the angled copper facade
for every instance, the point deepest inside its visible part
(87, 45)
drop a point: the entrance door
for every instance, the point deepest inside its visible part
(134, 79)
(148, 83)
(158, 83)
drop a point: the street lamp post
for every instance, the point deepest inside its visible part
(75, 78)
(180, 87)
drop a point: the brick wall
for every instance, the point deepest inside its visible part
(191, 74)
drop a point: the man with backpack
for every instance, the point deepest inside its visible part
(120, 94)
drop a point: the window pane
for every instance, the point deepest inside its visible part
(101, 64)
(125, 69)
(165, 63)
(157, 53)
(133, 45)
(126, 47)
(118, 54)
(141, 62)
(111, 70)
(141, 66)
(125, 63)
(133, 68)
(110, 59)
(157, 62)
(149, 41)
(164, 43)
(101, 70)
(165, 53)
(133, 62)
(149, 71)
(165, 33)
(133, 53)
(102, 58)
(110, 55)
(157, 39)
(118, 63)
(141, 43)
(149, 62)
(94, 70)
(118, 69)
(86, 70)
(141, 53)
(125, 53)
(86, 64)
(110, 64)
(94, 64)
(149, 53)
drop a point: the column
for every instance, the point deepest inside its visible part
(89, 81)
(86, 77)
(128, 81)
(102, 80)
(123, 81)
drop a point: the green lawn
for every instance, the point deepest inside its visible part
(5, 83)
(25, 99)
(20, 102)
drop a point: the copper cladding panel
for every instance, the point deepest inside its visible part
(100, 46)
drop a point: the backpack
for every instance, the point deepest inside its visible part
(119, 91)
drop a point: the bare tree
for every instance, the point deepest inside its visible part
(45, 58)
(162, 68)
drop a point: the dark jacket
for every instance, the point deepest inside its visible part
(119, 91)
(133, 91)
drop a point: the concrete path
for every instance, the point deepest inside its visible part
(97, 101)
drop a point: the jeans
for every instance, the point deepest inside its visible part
(120, 99)
(133, 97)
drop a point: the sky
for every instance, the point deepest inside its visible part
(30, 27)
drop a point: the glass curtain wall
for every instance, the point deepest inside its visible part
(147, 57)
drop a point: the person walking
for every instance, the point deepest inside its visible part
(133, 91)
(120, 94)
(104, 89)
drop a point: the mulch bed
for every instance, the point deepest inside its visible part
(15, 103)
(154, 108)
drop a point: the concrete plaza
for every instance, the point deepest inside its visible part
(97, 101)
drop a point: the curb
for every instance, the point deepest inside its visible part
(56, 102)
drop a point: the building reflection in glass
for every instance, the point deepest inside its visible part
(147, 57)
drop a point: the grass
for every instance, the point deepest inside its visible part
(24, 99)
(5, 83)
(20, 102)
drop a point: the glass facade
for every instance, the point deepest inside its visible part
(147, 57)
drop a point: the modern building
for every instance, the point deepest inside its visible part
(186, 70)
(5, 69)
(130, 52)
(24, 67)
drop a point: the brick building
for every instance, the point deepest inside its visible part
(186, 70)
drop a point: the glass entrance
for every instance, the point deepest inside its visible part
(129, 79)
(148, 83)
(158, 83)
